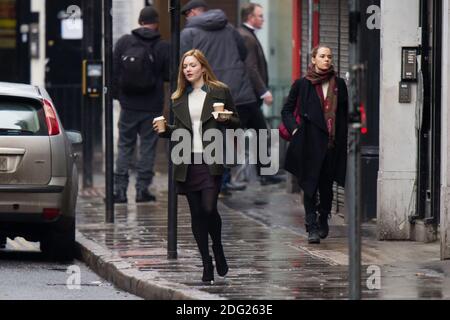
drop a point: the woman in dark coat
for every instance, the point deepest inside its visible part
(317, 154)
(198, 90)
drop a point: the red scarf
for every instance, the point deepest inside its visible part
(330, 102)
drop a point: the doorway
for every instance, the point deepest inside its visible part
(429, 124)
(14, 52)
(64, 56)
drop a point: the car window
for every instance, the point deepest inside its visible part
(22, 118)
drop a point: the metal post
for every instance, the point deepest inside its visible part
(109, 138)
(354, 214)
(88, 105)
(174, 10)
(354, 183)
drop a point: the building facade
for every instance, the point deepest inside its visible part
(413, 180)
(445, 134)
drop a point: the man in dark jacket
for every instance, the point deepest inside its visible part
(252, 21)
(210, 32)
(138, 109)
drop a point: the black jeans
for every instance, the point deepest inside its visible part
(252, 117)
(205, 219)
(131, 125)
(322, 199)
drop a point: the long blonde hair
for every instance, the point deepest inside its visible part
(209, 77)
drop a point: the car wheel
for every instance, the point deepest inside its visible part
(59, 245)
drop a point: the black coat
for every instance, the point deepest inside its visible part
(256, 62)
(308, 147)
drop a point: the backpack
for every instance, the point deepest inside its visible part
(138, 68)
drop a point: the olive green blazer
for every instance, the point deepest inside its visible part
(182, 120)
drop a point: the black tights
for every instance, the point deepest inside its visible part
(205, 219)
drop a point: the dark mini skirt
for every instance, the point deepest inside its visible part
(199, 178)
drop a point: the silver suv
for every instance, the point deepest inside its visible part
(38, 175)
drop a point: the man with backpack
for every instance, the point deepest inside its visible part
(141, 65)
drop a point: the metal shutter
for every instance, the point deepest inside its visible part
(305, 21)
(328, 31)
(329, 35)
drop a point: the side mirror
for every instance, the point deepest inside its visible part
(75, 137)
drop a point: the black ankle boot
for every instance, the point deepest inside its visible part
(323, 225)
(221, 261)
(312, 227)
(144, 196)
(208, 270)
(313, 236)
(2, 242)
(120, 196)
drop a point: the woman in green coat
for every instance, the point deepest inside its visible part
(198, 90)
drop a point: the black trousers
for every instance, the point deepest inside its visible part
(252, 117)
(131, 125)
(321, 201)
(205, 219)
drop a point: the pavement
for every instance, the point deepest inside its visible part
(266, 246)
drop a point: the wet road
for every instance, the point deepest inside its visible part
(26, 275)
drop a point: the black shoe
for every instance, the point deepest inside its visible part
(313, 235)
(323, 225)
(2, 242)
(221, 261)
(208, 270)
(120, 196)
(268, 180)
(144, 196)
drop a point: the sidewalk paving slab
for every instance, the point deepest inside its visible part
(266, 247)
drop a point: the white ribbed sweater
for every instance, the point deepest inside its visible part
(196, 102)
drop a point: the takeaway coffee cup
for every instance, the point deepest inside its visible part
(161, 123)
(218, 107)
(225, 115)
